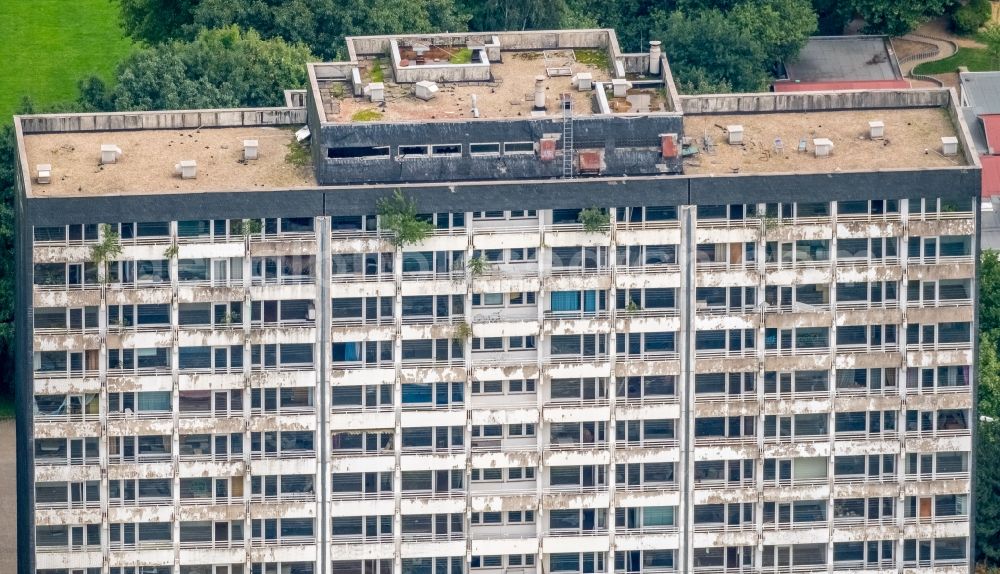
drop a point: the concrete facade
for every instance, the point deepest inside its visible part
(729, 372)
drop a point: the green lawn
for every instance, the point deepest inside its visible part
(46, 46)
(976, 59)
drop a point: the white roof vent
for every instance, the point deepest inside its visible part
(376, 91)
(620, 87)
(876, 129)
(425, 90)
(110, 153)
(949, 145)
(823, 147)
(187, 169)
(735, 132)
(44, 172)
(251, 150)
(583, 81)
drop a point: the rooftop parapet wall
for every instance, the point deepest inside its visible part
(814, 101)
(858, 101)
(181, 119)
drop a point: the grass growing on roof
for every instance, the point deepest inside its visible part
(366, 115)
(48, 45)
(593, 57)
(378, 74)
(463, 56)
(298, 154)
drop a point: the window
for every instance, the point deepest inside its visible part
(446, 150)
(412, 150)
(484, 149)
(510, 148)
(359, 152)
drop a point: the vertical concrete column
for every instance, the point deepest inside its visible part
(761, 269)
(831, 386)
(102, 441)
(175, 390)
(611, 388)
(685, 383)
(467, 350)
(901, 374)
(541, 387)
(324, 311)
(397, 408)
(247, 390)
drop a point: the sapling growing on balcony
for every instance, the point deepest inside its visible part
(594, 219)
(398, 216)
(478, 266)
(107, 249)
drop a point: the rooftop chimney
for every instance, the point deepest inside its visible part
(822, 146)
(475, 106)
(250, 149)
(668, 145)
(539, 93)
(735, 134)
(110, 153)
(654, 57)
(425, 90)
(620, 86)
(187, 169)
(44, 172)
(876, 129)
(949, 145)
(376, 91)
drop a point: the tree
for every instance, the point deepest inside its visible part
(488, 15)
(219, 68)
(892, 17)
(989, 291)
(710, 48)
(988, 492)
(991, 37)
(319, 24)
(8, 152)
(781, 27)
(155, 20)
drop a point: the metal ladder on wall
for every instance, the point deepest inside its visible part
(566, 101)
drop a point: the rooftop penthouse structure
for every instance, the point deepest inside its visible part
(645, 332)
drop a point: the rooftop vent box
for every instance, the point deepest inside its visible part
(735, 134)
(250, 149)
(583, 81)
(376, 91)
(187, 169)
(949, 145)
(110, 153)
(620, 87)
(823, 147)
(44, 172)
(425, 90)
(876, 129)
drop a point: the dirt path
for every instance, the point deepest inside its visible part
(8, 498)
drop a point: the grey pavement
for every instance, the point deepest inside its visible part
(8, 499)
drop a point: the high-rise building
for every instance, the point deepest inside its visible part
(515, 306)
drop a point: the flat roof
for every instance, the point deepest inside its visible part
(842, 58)
(912, 140)
(509, 92)
(149, 156)
(981, 91)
